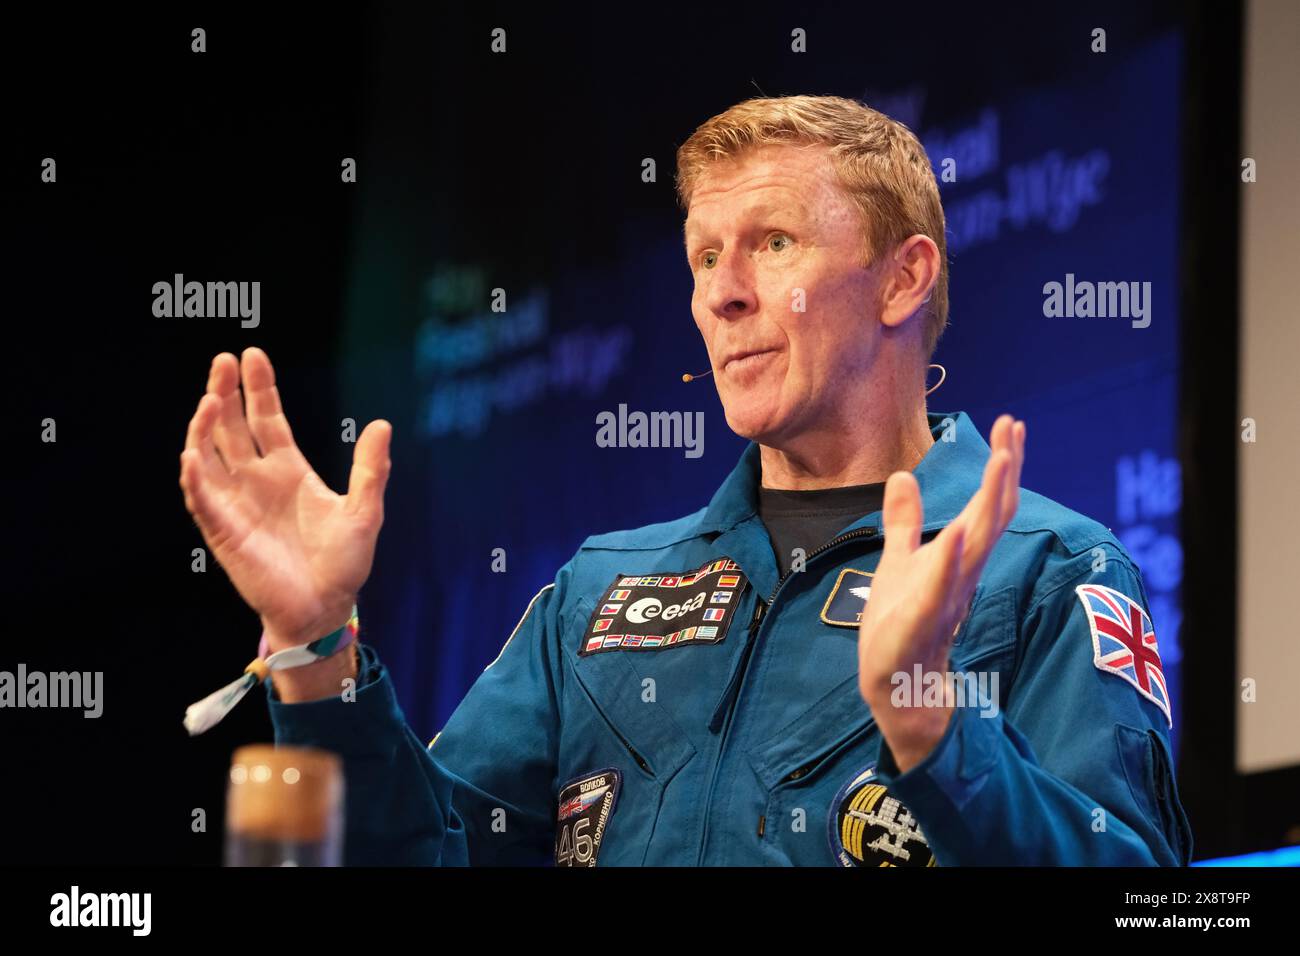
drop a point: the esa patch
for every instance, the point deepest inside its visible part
(585, 806)
(848, 598)
(868, 827)
(1124, 642)
(659, 611)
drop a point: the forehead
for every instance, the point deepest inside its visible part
(790, 179)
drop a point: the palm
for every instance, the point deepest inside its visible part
(286, 530)
(920, 592)
(912, 610)
(296, 551)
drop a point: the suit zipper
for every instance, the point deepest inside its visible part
(640, 761)
(726, 708)
(815, 552)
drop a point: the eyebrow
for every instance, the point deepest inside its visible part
(686, 236)
(759, 210)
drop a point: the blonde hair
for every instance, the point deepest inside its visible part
(881, 166)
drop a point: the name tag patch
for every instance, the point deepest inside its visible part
(585, 806)
(848, 598)
(658, 611)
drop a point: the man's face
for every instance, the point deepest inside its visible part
(758, 231)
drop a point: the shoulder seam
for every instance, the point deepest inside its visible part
(528, 610)
(1065, 582)
(591, 544)
(1107, 537)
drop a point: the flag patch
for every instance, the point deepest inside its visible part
(666, 610)
(1124, 642)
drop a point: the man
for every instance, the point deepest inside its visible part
(714, 690)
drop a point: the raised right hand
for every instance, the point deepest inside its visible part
(297, 552)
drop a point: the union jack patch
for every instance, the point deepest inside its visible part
(1124, 642)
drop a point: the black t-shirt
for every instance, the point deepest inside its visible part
(808, 519)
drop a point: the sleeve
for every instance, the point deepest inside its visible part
(1075, 769)
(501, 745)
(398, 803)
(481, 792)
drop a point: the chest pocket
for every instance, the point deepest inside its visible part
(804, 765)
(987, 640)
(609, 720)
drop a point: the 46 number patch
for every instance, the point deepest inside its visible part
(585, 806)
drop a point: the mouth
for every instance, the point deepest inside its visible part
(745, 362)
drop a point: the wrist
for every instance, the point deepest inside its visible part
(325, 678)
(322, 678)
(311, 665)
(913, 733)
(276, 637)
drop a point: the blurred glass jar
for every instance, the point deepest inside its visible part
(284, 807)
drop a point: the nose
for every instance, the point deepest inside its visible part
(731, 292)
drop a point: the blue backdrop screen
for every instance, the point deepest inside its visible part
(1070, 179)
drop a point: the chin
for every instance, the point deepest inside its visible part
(758, 407)
(755, 421)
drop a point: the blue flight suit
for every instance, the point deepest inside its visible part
(757, 748)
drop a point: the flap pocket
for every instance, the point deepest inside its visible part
(990, 629)
(613, 689)
(797, 749)
(986, 641)
(1147, 770)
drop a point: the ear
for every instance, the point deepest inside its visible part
(909, 279)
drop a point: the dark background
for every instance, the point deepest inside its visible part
(522, 171)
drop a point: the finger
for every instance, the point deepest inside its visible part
(981, 518)
(986, 501)
(947, 574)
(233, 439)
(1001, 437)
(943, 582)
(266, 419)
(198, 438)
(993, 487)
(902, 515)
(1011, 492)
(1005, 439)
(1001, 441)
(371, 466)
(199, 500)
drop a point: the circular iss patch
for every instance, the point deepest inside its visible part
(868, 827)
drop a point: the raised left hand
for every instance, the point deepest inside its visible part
(921, 592)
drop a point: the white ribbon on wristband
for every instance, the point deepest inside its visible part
(208, 712)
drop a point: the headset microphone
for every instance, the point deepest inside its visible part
(688, 377)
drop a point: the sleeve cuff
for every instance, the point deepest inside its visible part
(954, 771)
(347, 727)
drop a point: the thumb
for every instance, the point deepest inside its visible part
(370, 468)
